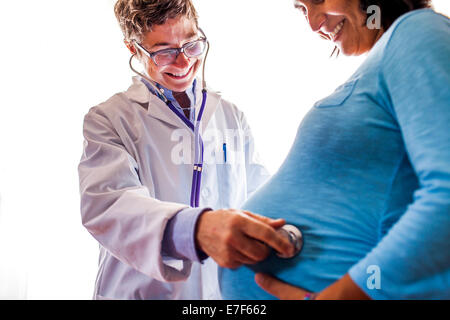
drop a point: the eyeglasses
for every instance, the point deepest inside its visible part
(168, 56)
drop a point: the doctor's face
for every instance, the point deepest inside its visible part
(179, 75)
(343, 22)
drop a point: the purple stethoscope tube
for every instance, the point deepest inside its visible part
(199, 149)
(198, 162)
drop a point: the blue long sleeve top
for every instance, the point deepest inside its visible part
(368, 177)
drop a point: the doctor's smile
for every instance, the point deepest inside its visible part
(180, 75)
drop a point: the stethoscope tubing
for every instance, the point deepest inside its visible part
(199, 149)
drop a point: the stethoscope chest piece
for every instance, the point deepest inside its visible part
(295, 237)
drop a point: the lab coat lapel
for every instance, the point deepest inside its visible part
(159, 110)
(156, 108)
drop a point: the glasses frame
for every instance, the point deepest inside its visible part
(182, 49)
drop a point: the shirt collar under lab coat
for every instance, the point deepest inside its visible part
(190, 92)
(157, 109)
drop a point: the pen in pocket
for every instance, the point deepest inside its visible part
(224, 152)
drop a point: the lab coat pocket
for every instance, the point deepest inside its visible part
(229, 179)
(339, 96)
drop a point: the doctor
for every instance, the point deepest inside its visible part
(136, 172)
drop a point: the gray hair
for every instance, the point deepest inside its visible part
(137, 17)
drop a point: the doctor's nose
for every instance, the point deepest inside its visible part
(182, 61)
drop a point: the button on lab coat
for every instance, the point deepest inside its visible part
(136, 174)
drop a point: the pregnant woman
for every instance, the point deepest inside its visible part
(368, 177)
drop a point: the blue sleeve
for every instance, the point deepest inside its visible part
(179, 235)
(413, 258)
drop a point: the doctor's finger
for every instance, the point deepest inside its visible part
(274, 223)
(243, 259)
(265, 233)
(252, 249)
(232, 259)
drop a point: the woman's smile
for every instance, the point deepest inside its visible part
(338, 30)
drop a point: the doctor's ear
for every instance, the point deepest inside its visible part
(130, 46)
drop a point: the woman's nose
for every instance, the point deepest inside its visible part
(316, 19)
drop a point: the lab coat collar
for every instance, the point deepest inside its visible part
(138, 92)
(157, 109)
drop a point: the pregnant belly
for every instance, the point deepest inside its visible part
(334, 240)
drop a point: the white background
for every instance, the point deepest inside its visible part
(59, 58)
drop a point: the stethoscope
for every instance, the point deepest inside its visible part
(292, 233)
(295, 237)
(195, 127)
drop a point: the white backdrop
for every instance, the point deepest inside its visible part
(59, 58)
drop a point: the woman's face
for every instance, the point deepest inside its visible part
(178, 76)
(343, 22)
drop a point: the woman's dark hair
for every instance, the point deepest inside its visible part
(393, 9)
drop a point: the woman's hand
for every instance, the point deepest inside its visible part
(343, 289)
(280, 289)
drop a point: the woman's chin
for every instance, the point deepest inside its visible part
(353, 48)
(348, 51)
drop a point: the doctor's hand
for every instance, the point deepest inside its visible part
(233, 237)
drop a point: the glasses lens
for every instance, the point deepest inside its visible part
(168, 56)
(195, 48)
(165, 57)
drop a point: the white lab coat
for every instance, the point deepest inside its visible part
(132, 183)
